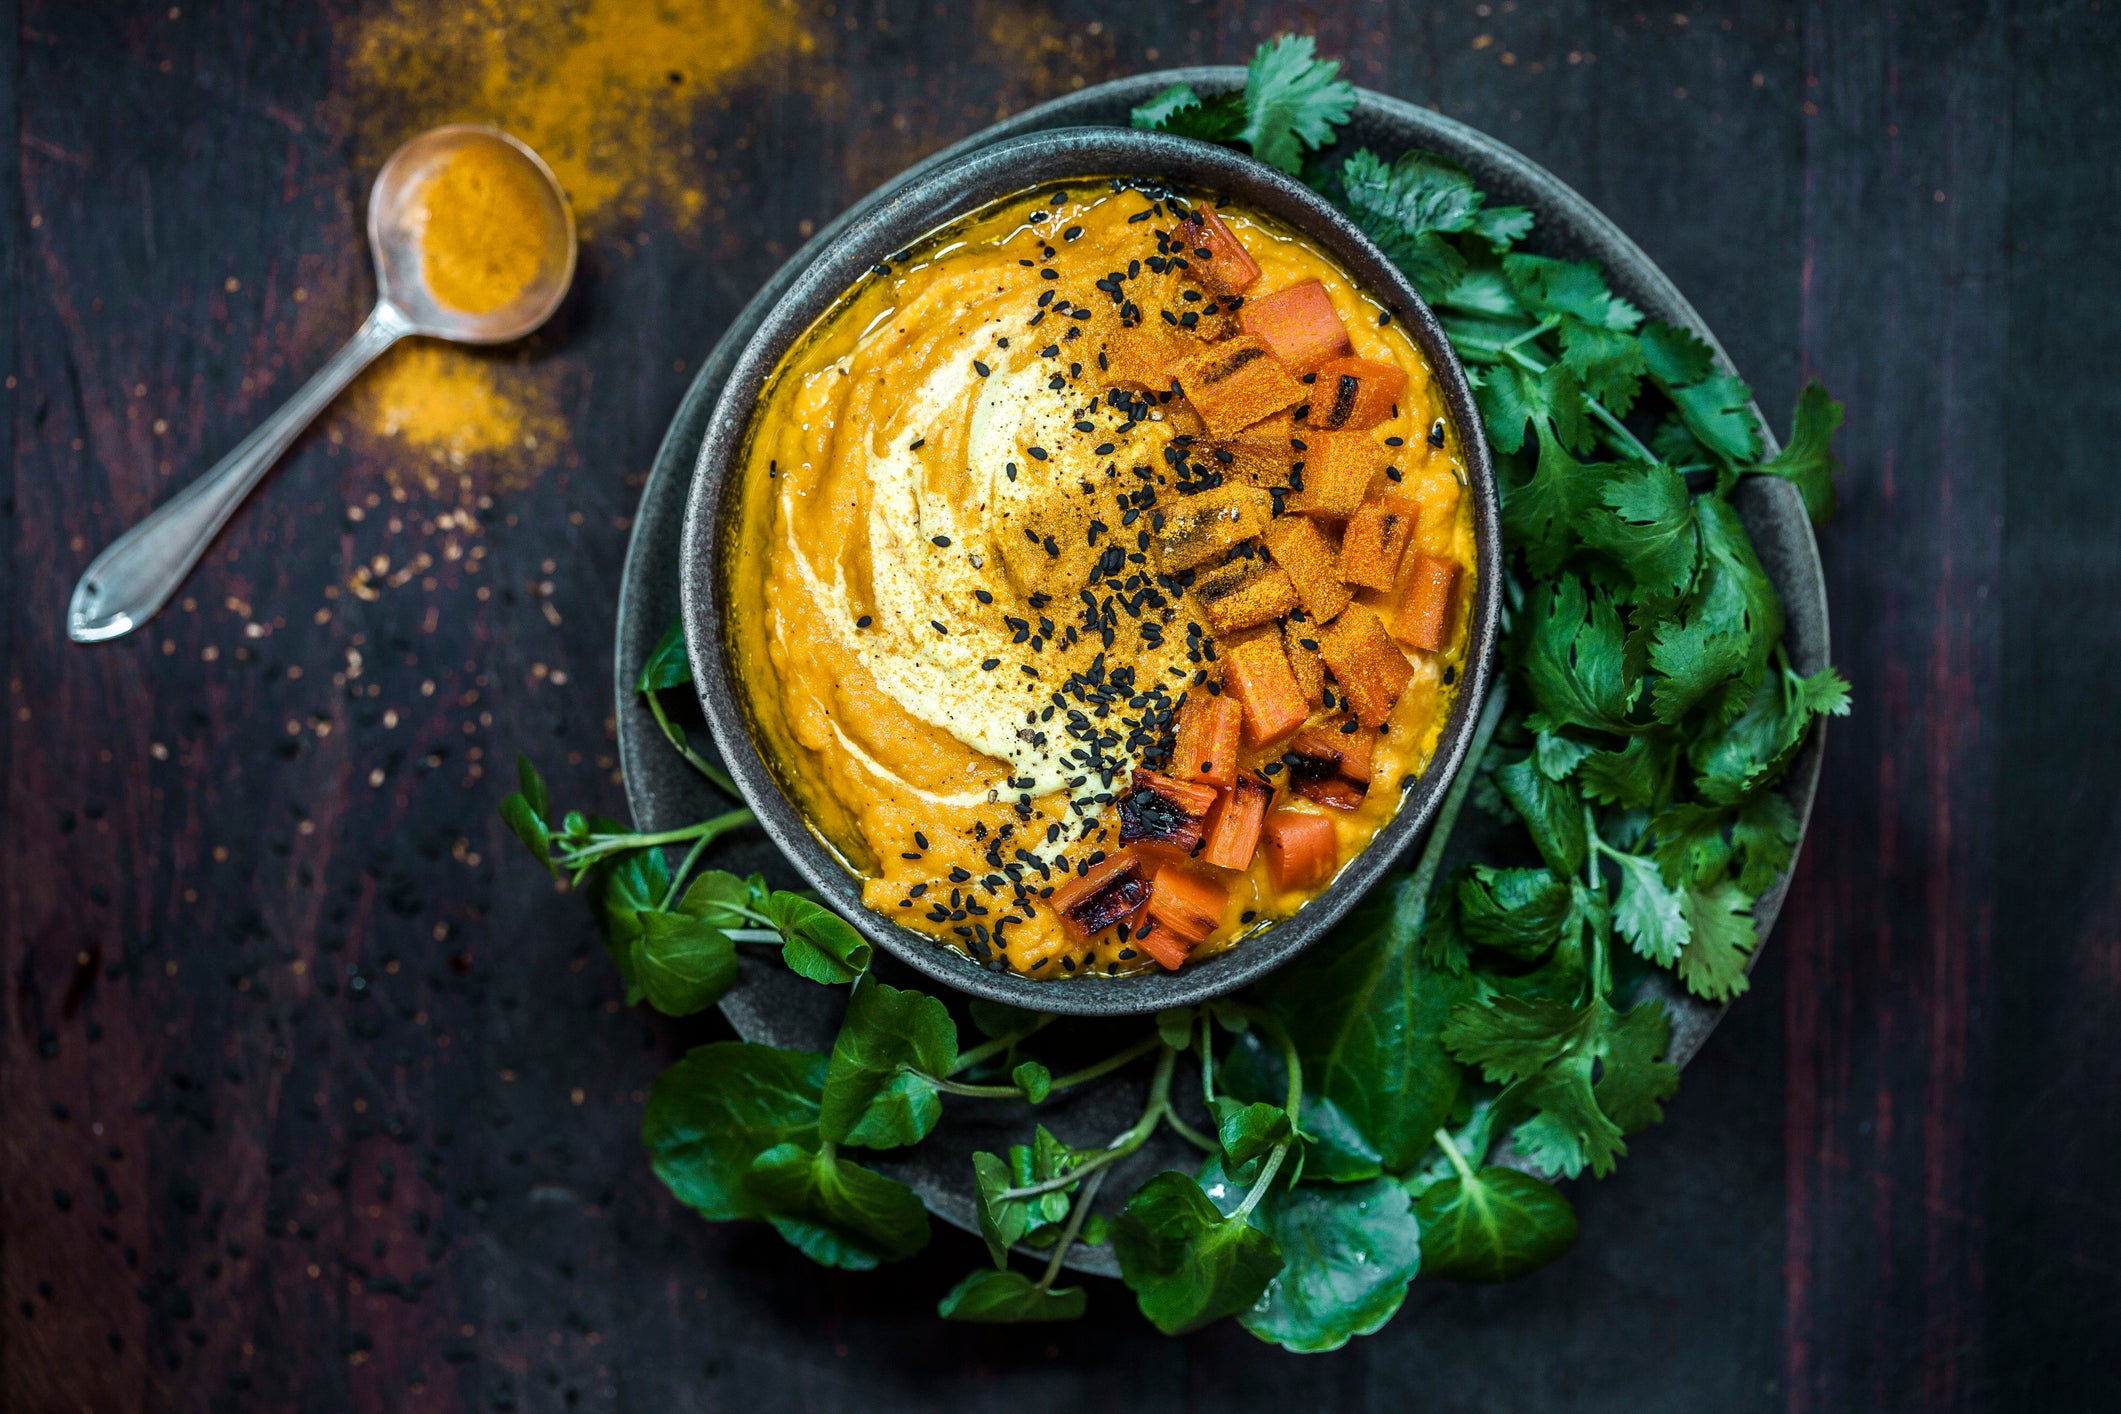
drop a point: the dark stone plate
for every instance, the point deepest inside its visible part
(771, 1004)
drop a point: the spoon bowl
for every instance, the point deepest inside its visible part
(136, 574)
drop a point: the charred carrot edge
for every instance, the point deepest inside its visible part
(1114, 870)
(1233, 827)
(1169, 950)
(1377, 539)
(1197, 529)
(1355, 392)
(1188, 903)
(1207, 739)
(1425, 614)
(1344, 753)
(1231, 268)
(1299, 642)
(1299, 324)
(1258, 672)
(1235, 383)
(1163, 818)
(1301, 848)
(1244, 594)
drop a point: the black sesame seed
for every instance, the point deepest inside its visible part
(864, 621)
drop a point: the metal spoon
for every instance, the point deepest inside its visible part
(138, 572)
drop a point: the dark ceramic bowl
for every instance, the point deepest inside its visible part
(940, 196)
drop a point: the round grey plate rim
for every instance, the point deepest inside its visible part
(771, 1005)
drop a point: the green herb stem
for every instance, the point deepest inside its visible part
(603, 846)
(677, 880)
(1626, 440)
(1157, 1109)
(1076, 1216)
(1293, 1063)
(1191, 1135)
(675, 735)
(1450, 1151)
(1259, 1186)
(1010, 1092)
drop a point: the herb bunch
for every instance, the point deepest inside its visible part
(1395, 1101)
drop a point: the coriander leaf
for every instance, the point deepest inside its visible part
(1765, 831)
(1002, 1221)
(1497, 1225)
(1739, 590)
(1511, 395)
(1824, 694)
(1572, 656)
(1809, 461)
(1650, 916)
(1607, 362)
(1444, 947)
(621, 887)
(1009, 1297)
(1633, 1079)
(1644, 519)
(1293, 101)
(1363, 1010)
(666, 665)
(1510, 1038)
(837, 1214)
(878, 1089)
(1695, 653)
(682, 964)
(1164, 106)
(1348, 1253)
(721, 1106)
(1715, 406)
(1407, 208)
(1248, 1133)
(1034, 1080)
(1186, 1263)
(1574, 288)
(1503, 226)
(1551, 812)
(1674, 355)
(1540, 514)
(1673, 443)
(1557, 756)
(1720, 918)
(1688, 843)
(1628, 777)
(816, 942)
(1220, 119)
(1568, 1131)
(1482, 290)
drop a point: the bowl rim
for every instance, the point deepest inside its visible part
(937, 197)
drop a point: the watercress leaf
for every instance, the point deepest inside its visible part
(721, 1106)
(1230, 1016)
(836, 1213)
(1001, 1220)
(1000, 1019)
(1186, 1263)
(1551, 811)
(1034, 1080)
(1249, 1132)
(1293, 101)
(527, 825)
(1333, 1148)
(1095, 1230)
(1520, 911)
(720, 898)
(1644, 520)
(1649, 915)
(1808, 461)
(816, 942)
(1502, 226)
(666, 665)
(532, 787)
(1043, 1158)
(1572, 656)
(878, 1090)
(620, 888)
(683, 965)
(1364, 1010)
(1160, 109)
(1633, 1078)
(1348, 1253)
(1630, 776)
(1495, 1226)
(1174, 1027)
(1006, 1297)
(1764, 832)
(1720, 921)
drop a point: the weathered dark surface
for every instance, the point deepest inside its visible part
(1883, 1184)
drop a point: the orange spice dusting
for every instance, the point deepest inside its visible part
(482, 228)
(453, 407)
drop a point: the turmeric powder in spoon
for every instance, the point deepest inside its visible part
(482, 234)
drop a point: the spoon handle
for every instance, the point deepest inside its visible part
(136, 574)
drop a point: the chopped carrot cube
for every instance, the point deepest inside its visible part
(1102, 895)
(1141, 357)
(1312, 564)
(1377, 540)
(1355, 393)
(1338, 467)
(1244, 593)
(1186, 902)
(1371, 669)
(1197, 529)
(1163, 817)
(1337, 751)
(1299, 324)
(1263, 454)
(1234, 384)
(1425, 615)
(1231, 270)
(1233, 826)
(1257, 671)
(1304, 663)
(1302, 848)
(1207, 739)
(1166, 947)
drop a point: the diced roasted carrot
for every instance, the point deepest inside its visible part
(1376, 541)
(1305, 665)
(1235, 383)
(1244, 592)
(1312, 564)
(1337, 750)
(1338, 467)
(1301, 848)
(1165, 946)
(1197, 529)
(1163, 816)
(1257, 671)
(1354, 393)
(1299, 324)
(1141, 357)
(1230, 268)
(1261, 455)
(1206, 749)
(1187, 902)
(1425, 614)
(1102, 895)
(1369, 666)
(1233, 825)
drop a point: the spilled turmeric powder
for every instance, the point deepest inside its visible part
(482, 229)
(455, 411)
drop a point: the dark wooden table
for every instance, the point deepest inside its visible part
(316, 1097)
